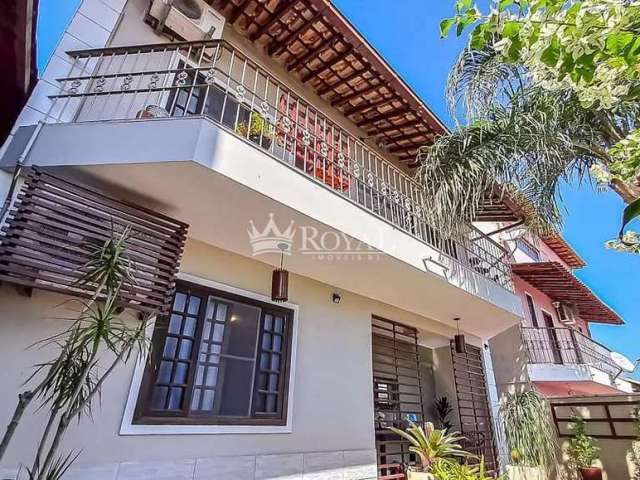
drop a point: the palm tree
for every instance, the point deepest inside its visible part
(519, 139)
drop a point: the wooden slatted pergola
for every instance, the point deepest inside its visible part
(556, 281)
(318, 45)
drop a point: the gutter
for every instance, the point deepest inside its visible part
(18, 170)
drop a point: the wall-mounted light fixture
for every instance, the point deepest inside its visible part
(459, 340)
(280, 279)
(335, 297)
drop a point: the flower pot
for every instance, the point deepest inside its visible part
(518, 472)
(591, 473)
(264, 142)
(419, 476)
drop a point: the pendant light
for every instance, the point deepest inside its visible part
(280, 279)
(458, 340)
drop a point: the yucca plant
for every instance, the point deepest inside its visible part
(57, 469)
(529, 432)
(431, 444)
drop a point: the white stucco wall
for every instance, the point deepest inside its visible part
(332, 401)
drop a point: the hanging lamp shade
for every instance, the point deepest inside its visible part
(459, 340)
(280, 285)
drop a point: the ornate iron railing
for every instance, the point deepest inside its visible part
(561, 345)
(215, 79)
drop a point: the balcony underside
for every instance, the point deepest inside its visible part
(205, 176)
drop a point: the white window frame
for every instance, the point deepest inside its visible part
(127, 426)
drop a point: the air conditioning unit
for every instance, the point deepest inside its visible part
(566, 315)
(190, 19)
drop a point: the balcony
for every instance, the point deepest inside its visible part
(212, 79)
(566, 346)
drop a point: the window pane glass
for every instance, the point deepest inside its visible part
(175, 323)
(175, 398)
(218, 332)
(179, 302)
(277, 343)
(278, 325)
(185, 349)
(268, 322)
(233, 353)
(170, 345)
(189, 326)
(242, 331)
(164, 372)
(273, 382)
(173, 370)
(194, 305)
(271, 406)
(180, 373)
(221, 312)
(159, 398)
(208, 398)
(237, 386)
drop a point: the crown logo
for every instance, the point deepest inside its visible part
(271, 239)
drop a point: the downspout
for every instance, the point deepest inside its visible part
(18, 169)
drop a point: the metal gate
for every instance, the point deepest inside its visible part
(473, 404)
(397, 393)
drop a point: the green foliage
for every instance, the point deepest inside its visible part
(108, 265)
(583, 449)
(454, 470)
(258, 126)
(584, 57)
(589, 46)
(57, 469)
(528, 428)
(431, 445)
(443, 409)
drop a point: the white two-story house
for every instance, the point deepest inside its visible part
(238, 137)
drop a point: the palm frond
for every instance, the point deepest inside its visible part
(477, 80)
(528, 428)
(528, 146)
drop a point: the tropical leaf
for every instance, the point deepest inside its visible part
(630, 212)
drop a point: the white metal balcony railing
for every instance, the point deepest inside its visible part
(215, 79)
(567, 346)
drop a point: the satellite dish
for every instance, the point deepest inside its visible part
(623, 362)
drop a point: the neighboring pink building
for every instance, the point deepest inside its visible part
(558, 308)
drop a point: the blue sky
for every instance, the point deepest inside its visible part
(405, 32)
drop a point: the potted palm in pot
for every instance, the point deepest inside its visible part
(584, 450)
(431, 446)
(530, 435)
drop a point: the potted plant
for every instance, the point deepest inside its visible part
(431, 446)
(443, 409)
(584, 450)
(530, 435)
(454, 470)
(258, 129)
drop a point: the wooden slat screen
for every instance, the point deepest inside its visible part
(47, 232)
(397, 393)
(473, 404)
(605, 417)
